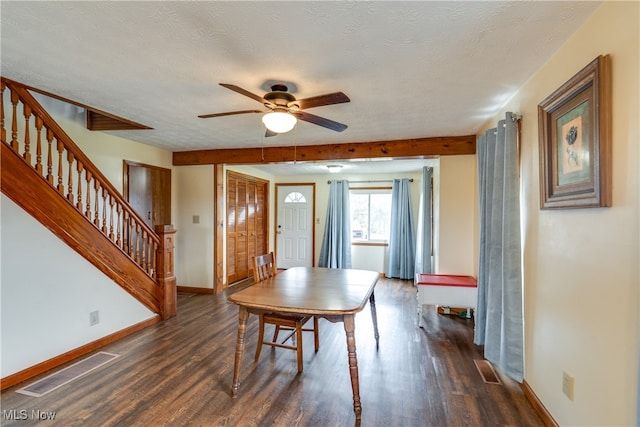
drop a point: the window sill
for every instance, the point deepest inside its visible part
(369, 244)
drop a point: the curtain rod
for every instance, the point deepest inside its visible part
(370, 181)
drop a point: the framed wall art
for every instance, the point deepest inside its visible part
(574, 126)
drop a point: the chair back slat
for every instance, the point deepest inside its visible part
(264, 267)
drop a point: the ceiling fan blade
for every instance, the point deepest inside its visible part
(230, 113)
(320, 100)
(320, 121)
(244, 92)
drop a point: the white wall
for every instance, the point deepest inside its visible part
(581, 266)
(458, 218)
(194, 258)
(47, 293)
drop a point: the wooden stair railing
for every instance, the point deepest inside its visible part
(48, 175)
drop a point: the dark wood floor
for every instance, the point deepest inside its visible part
(179, 372)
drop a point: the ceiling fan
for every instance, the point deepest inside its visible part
(283, 109)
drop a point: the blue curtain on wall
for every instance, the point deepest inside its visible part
(336, 243)
(402, 241)
(424, 233)
(499, 315)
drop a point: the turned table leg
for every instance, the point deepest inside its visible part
(243, 315)
(374, 317)
(349, 328)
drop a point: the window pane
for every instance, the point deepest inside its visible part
(370, 214)
(380, 216)
(359, 216)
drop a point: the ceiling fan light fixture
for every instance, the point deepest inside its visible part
(279, 121)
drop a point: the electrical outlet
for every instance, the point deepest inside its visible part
(567, 385)
(94, 318)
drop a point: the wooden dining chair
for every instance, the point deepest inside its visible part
(264, 267)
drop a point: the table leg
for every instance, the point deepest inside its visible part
(243, 315)
(374, 317)
(349, 328)
(420, 325)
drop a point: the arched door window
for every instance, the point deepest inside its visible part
(295, 197)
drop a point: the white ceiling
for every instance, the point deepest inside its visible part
(411, 69)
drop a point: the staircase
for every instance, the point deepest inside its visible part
(50, 178)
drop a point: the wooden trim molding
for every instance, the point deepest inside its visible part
(418, 147)
(538, 406)
(193, 290)
(218, 231)
(47, 365)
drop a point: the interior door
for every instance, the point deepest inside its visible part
(148, 191)
(246, 224)
(294, 225)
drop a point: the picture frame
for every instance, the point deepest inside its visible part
(574, 133)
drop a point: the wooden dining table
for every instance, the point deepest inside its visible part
(329, 293)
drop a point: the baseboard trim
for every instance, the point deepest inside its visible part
(47, 365)
(538, 406)
(191, 290)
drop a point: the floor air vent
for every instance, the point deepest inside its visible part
(68, 374)
(487, 372)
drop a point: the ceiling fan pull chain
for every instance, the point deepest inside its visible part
(262, 146)
(295, 145)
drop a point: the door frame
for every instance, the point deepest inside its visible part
(313, 215)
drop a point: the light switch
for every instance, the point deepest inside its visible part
(196, 219)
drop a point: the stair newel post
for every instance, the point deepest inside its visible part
(164, 269)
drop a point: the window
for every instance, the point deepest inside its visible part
(370, 214)
(295, 197)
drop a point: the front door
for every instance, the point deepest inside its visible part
(294, 225)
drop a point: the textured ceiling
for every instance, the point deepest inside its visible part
(411, 69)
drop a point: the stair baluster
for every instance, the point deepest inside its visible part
(27, 140)
(39, 145)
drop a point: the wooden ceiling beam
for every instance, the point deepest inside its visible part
(418, 147)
